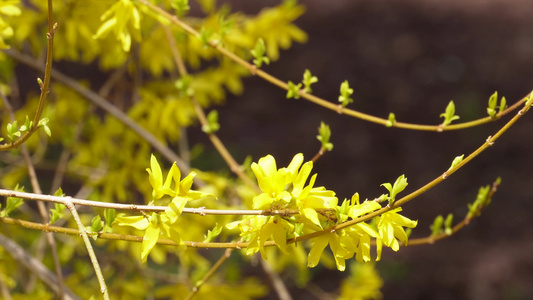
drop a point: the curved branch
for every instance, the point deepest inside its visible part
(320, 101)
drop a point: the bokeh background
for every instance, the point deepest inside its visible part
(410, 57)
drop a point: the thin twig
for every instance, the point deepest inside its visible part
(147, 208)
(41, 206)
(277, 283)
(45, 87)
(320, 101)
(209, 274)
(433, 238)
(235, 167)
(90, 250)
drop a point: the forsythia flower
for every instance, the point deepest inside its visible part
(285, 188)
(8, 8)
(292, 189)
(163, 223)
(390, 226)
(124, 20)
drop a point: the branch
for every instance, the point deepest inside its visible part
(209, 274)
(40, 205)
(90, 250)
(146, 208)
(433, 238)
(217, 143)
(45, 87)
(320, 101)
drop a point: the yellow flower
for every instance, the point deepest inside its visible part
(390, 226)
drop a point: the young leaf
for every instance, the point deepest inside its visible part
(12, 130)
(399, 185)
(181, 7)
(448, 224)
(294, 90)
(436, 228)
(212, 125)
(56, 213)
(503, 105)
(391, 121)
(12, 203)
(96, 225)
(43, 122)
(493, 101)
(457, 160)
(109, 215)
(205, 36)
(346, 92)
(259, 53)
(308, 80)
(449, 115)
(211, 234)
(324, 134)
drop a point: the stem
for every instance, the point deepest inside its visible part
(209, 274)
(90, 250)
(432, 239)
(277, 282)
(146, 208)
(320, 101)
(42, 208)
(217, 143)
(45, 88)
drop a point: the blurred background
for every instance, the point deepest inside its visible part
(410, 57)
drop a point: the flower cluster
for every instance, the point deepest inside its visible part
(163, 224)
(313, 209)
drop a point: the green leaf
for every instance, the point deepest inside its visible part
(503, 105)
(346, 92)
(436, 228)
(391, 121)
(109, 216)
(96, 226)
(449, 115)
(26, 126)
(457, 160)
(205, 36)
(12, 203)
(43, 122)
(448, 224)
(324, 134)
(211, 234)
(482, 199)
(183, 84)
(308, 80)
(212, 125)
(493, 101)
(259, 53)
(12, 130)
(56, 212)
(293, 90)
(399, 185)
(181, 7)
